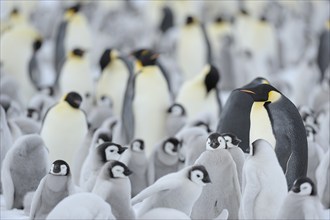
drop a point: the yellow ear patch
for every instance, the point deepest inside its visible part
(68, 14)
(138, 66)
(274, 96)
(327, 25)
(114, 54)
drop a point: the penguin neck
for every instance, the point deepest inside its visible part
(260, 124)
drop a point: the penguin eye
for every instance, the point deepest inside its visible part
(198, 175)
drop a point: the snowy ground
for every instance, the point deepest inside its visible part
(10, 214)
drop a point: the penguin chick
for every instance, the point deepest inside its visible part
(96, 158)
(52, 189)
(178, 190)
(302, 201)
(176, 119)
(138, 164)
(25, 164)
(39, 105)
(164, 159)
(114, 186)
(264, 183)
(99, 113)
(83, 205)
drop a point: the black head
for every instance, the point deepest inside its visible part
(118, 169)
(78, 52)
(244, 12)
(15, 11)
(219, 20)
(211, 79)
(105, 59)
(60, 168)
(199, 175)
(171, 146)
(75, 8)
(33, 113)
(103, 137)
(212, 141)
(263, 93)
(109, 151)
(137, 145)
(74, 99)
(304, 186)
(233, 139)
(263, 19)
(190, 20)
(37, 45)
(177, 109)
(146, 57)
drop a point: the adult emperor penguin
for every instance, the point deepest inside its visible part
(97, 157)
(178, 190)
(200, 94)
(164, 159)
(275, 118)
(25, 164)
(302, 201)
(84, 205)
(224, 192)
(264, 183)
(76, 76)
(138, 164)
(114, 187)
(193, 49)
(115, 72)
(144, 113)
(53, 188)
(73, 32)
(19, 47)
(64, 128)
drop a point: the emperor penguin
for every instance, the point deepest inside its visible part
(164, 159)
(76, 76)
(73, 32)
(97, 157)
(52, 189)
(64, 128)
(83, 205)
(138, 164)
(264, 184)
(275, 118)
(323, 55)
(235, 116)
(179, 190)
(25, 164)
(301, 202)
(201, 94)
(323, 180)
(176, 119)
(115, 72)
(19, 48)
(114, 186)
(192, 49)
(144, 113)
(224, 192)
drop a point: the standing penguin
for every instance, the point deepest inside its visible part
(64, 128)
(176, 119)
(193, 48)
(144, 113)
(25, 164)
(76, 76)
(54, 187)
(115, 72)
(264, 183)
(224, 192)
(178, 190)
(114, 187)
(275, 118)
(200, 94)
(301, 202)
(138, 164)
(163, 160)
(96, 158)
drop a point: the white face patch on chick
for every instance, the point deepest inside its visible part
(118, 172)
(170, 149)
(111, 153)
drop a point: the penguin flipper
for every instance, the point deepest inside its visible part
(127, 110)
(34, 71)
(59, 48)
(208, 44)
(8, 188)
(128, 64)
(36, 201)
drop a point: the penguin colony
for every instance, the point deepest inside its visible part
(165, 109)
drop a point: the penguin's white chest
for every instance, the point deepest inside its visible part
(260, 124)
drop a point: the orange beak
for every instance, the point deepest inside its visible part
(247, 91)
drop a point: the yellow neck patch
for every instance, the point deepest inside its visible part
(273, 96)
(327, 24)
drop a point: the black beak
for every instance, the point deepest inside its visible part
(295, 189)
(120, 151)
(127, 172)
(207, 179)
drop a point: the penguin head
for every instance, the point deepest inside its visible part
(212, 141)
(219, 20)
(118, 169)
(254, 148)
(171, 146)
(33, 114)
(191, 20)
(137, 145)
(212, 78)
(231, 140)
(244, 12)
(60, 168)
(110, 151)
(257, 81)
(77, 52)
(203, 125)
(69, 12)
(263, 19)
(145, 57)
(310, 132)
(37, 44)
(105, 101)
(304, 186)
(177, 110)
(74, 99)
(199, 175)
(263, 93)
(107, 57)
(103, 137)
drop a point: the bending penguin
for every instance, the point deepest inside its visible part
(52, 189)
